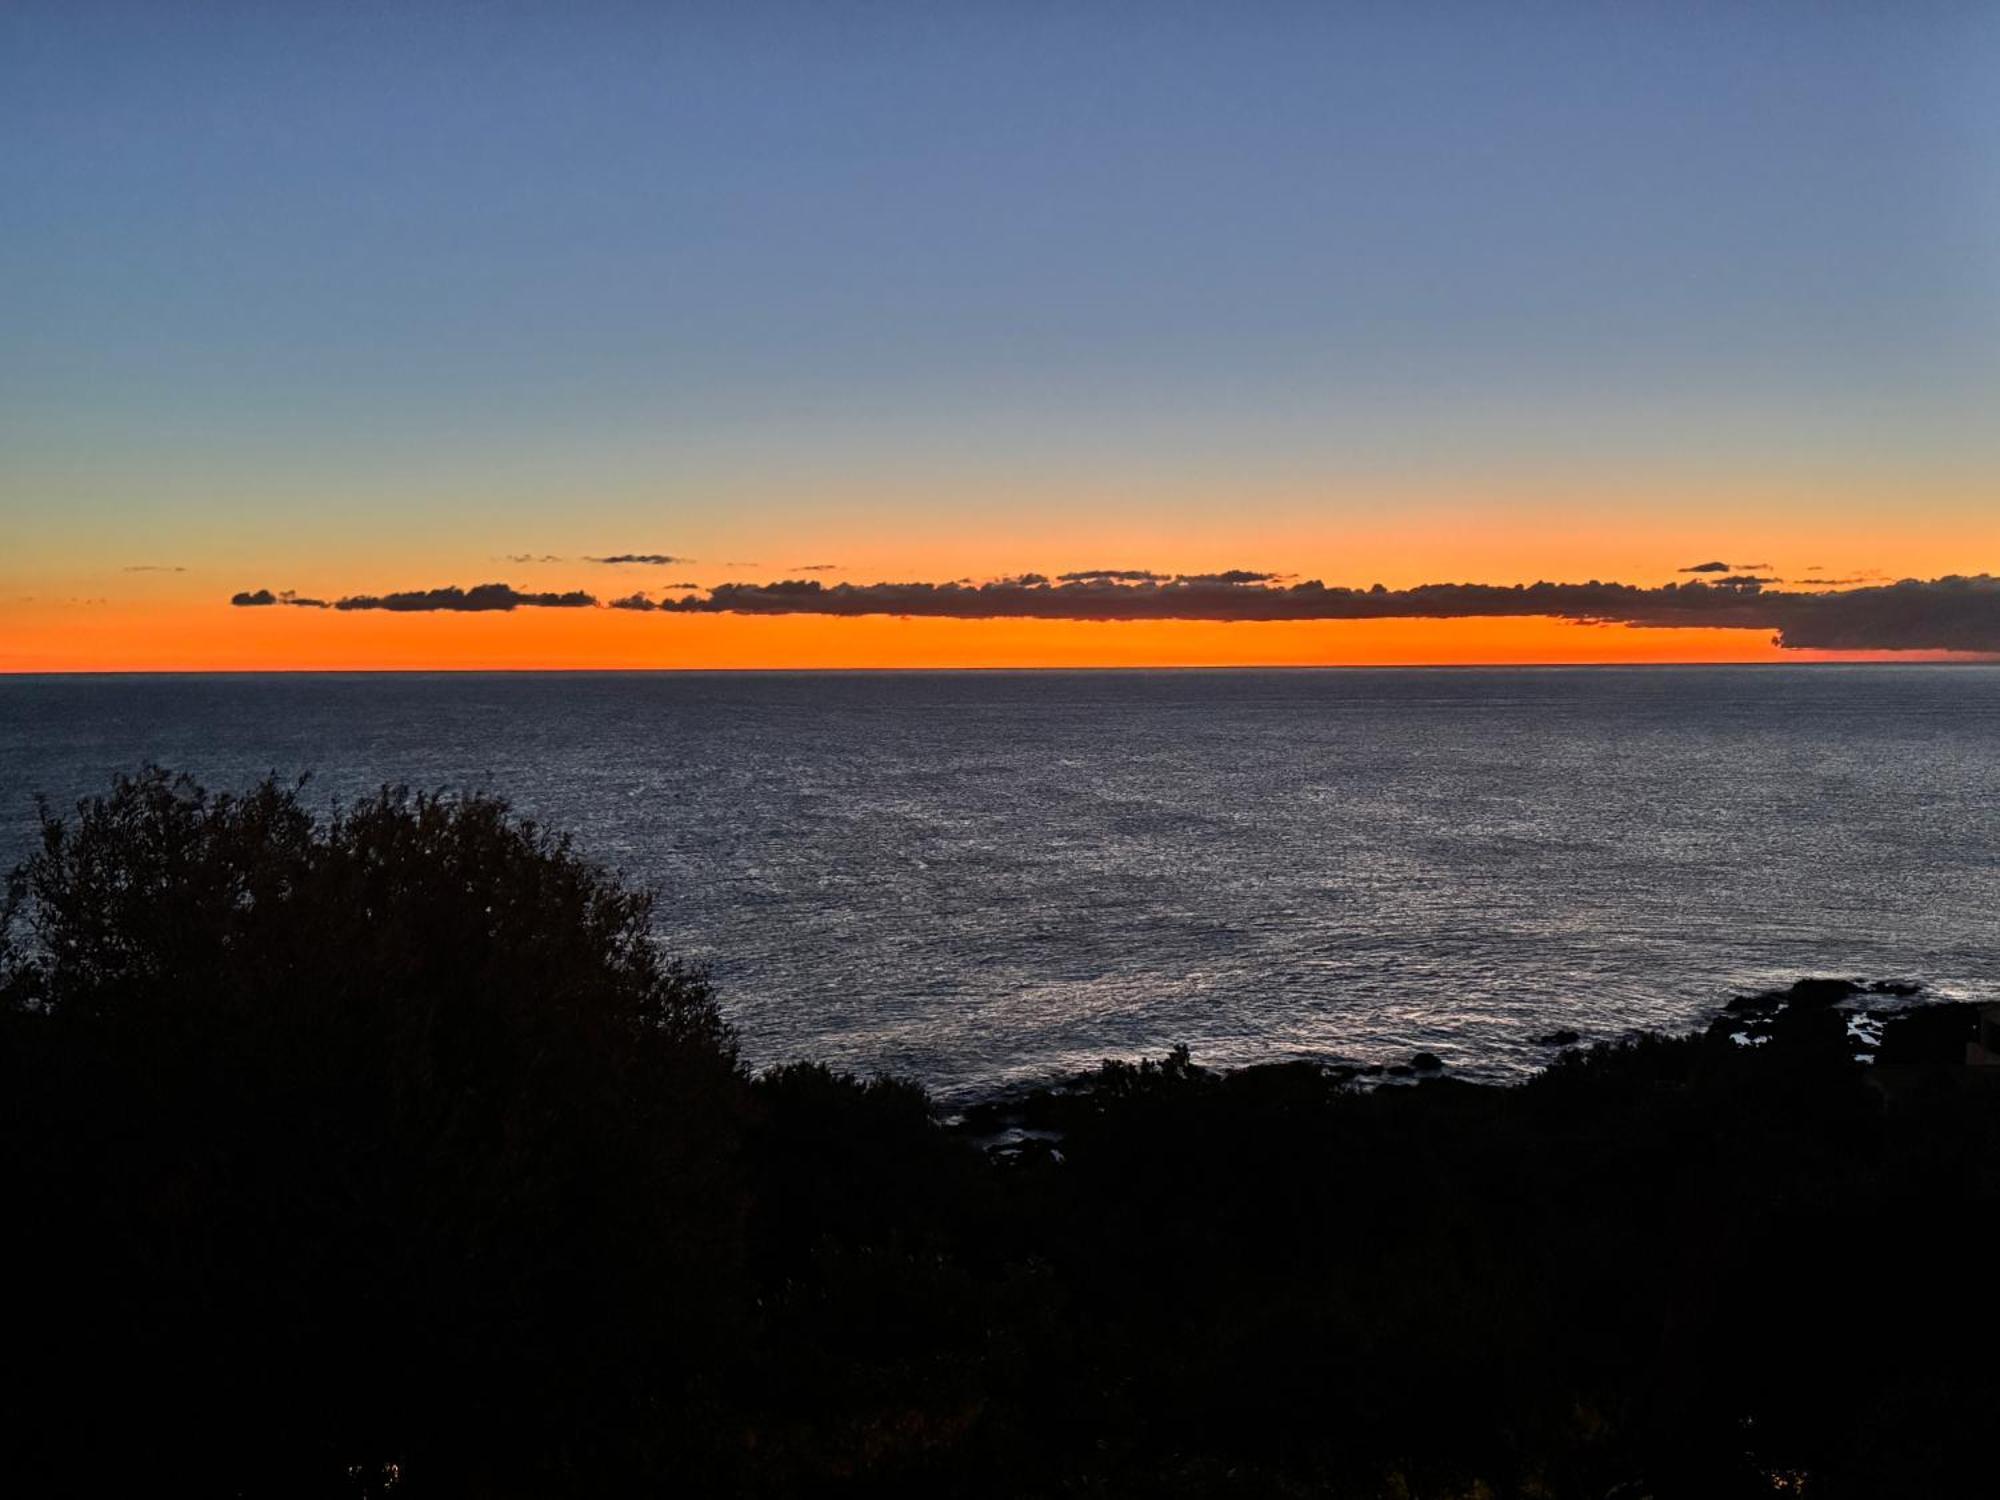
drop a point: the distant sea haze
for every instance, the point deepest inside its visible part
(983, 878)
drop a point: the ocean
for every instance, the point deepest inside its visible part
(983, 878)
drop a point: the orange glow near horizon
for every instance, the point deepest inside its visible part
(68, 605)
(161, 637)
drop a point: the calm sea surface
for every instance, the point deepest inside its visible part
(982, 877)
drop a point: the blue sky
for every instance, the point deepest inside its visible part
(276, 274)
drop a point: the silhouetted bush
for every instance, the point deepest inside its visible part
(1936, 1034)
(374, 1143)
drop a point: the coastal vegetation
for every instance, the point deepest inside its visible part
(384, 1152)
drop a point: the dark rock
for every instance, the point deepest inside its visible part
(1811, 1026)
(1561, 1037)
(1821, 992)
(1763, 1000)
(1803, 992)
(1902, 989)
(1426, 1062)
(1743, 1029)
(1401, 1070)
(987, 1117)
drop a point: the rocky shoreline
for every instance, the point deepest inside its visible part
(1880, 1023)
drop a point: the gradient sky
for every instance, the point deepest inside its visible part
(353, 298)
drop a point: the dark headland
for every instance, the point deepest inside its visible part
(384, 1153)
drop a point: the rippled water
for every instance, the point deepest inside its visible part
(980, 877)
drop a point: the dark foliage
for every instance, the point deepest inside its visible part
(1935, 1034)
(384, 1154)
(341, 1148)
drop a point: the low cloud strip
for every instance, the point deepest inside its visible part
(1954, 613)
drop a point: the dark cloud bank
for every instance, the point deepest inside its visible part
(1941, 614)
(485, 596)
(481, 598)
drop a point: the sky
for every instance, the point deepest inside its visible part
(366, 301)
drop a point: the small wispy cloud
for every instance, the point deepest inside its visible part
(1229, 578)
(649, 559)
(1725, 567)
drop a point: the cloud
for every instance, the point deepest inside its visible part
(650, 559)
(638, 598)
(1953, 613)
(1707, 567)
(815, 567)
(1940, 614)
(1943, 614)
(531, 557)
(151, 568)
(1147, 575)
(258, 597)
(478, 599)
(1230, 578)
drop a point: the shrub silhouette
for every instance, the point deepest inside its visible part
(378, 1144)
(383, 1152)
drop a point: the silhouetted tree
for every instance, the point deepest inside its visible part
(384, 1145)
